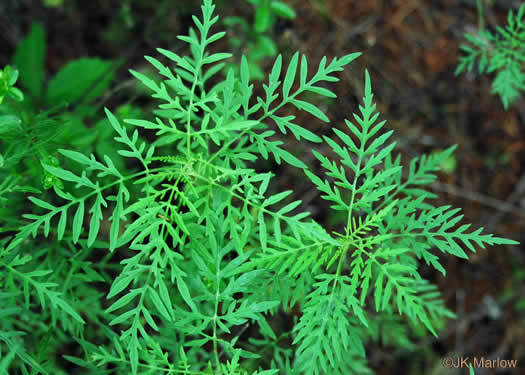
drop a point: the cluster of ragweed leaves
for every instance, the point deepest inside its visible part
(501, 52)
(170, 263)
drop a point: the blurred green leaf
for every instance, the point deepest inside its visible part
(12, 75)
(9, 124)
(53, 3)
(282, 9)
(262, 19)
(29, 59)
(264, 47)
(16, 94)
(85, 79)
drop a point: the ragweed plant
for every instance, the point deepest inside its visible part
(501, 52)
(168, 266)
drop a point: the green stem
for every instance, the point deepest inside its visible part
(481, 21)
(354, 185)
(215, 314)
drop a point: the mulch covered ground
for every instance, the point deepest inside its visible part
(410, 48)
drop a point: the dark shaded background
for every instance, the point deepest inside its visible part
(410, 48)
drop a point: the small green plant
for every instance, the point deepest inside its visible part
(501, 52)
(8, 78)
(254, 37)
(161, 266)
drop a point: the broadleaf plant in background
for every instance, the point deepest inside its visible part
(162, 264)
(501, 52)
(53, 113)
